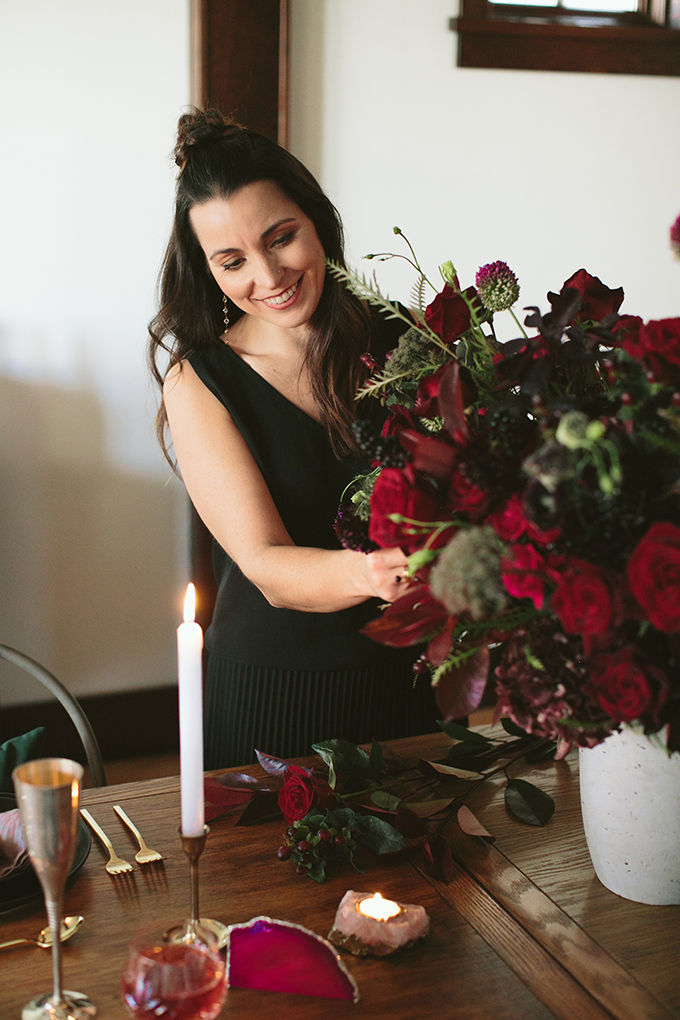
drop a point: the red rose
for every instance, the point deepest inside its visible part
(598, 299)
(449, 315)
(296, 796)
(523, 573)
(396, 491)
(625, 688)
(583, 600)
(627, 331)
(464, 495)
(662, 337)
(509, 521)
(654, 576)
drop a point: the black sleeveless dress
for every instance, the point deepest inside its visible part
(280, 679)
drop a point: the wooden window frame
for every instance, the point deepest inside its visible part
(555, 39)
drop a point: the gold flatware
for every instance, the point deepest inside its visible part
(69, 926)
(144, 855)
(115, 864)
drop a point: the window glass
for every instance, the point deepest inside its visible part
(607, 6)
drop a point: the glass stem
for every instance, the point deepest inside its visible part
(54, 918)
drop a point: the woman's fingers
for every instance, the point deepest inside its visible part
(387, 573)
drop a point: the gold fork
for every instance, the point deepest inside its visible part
(144, 855)
(115, 864)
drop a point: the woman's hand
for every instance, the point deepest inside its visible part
(386, 572)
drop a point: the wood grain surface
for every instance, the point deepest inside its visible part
(522, 932)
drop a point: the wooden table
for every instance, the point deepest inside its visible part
(524, 931)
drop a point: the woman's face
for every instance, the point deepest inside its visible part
(264, 253)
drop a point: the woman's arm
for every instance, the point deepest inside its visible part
(232, 498)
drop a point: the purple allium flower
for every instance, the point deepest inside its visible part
(675, 238)
(497, 286)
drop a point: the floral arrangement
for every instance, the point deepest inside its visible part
(535, 486)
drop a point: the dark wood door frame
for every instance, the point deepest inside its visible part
(239, 64)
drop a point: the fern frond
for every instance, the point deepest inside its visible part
(417, 299)
(380, 382)
(370, 291)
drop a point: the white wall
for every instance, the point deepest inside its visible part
(547, 171)
(90, 556)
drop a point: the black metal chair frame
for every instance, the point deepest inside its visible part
(70, 703)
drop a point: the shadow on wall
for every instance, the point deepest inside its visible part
(88, 553)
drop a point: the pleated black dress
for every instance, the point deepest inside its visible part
(279, 679)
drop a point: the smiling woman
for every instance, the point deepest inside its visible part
(259, 396)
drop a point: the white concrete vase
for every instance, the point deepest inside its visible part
(630, 800)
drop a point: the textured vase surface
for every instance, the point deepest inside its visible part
(630, 800)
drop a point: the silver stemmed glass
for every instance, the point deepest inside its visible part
(48, 794)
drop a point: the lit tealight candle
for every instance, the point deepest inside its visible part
(378, 908)
(371, 925)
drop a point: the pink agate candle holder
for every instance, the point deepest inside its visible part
(368, 925)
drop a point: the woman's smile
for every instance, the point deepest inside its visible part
(286, 298)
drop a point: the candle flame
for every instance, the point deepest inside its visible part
(378, 908)
(190, 604)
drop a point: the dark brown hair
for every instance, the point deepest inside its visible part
(217, 158)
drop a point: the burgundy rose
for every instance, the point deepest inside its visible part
(464, 495)
(449, 315)
(509, 521)
(662, 337)
(625, 688)
(296, 796)
(598, 299)
(654, 576)
(627, 331)
(523, 571)
(397, 491)
(584, 599)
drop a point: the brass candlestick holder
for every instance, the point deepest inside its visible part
(196, 928)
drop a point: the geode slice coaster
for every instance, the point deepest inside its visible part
(278, 956)
(365, 936)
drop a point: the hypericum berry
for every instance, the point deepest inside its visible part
(339, 840)
(626, 399)
(284, 852)
(650, 377)
(676, 399)
(290, 832)
(305, 858)
(301, 869)
(303, 846)
(325, 836)
(421, 664)
(369, 361)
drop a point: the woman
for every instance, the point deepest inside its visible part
(259, 396)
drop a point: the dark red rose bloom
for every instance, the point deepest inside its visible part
(662, 337)
(397, 491)
(449, 315)
(297, 794)
(654, 576)
(584, 600)
(627, 689)
(598, 299)
(524, 571)
(627, 331)
(465, 496)
(509, 521)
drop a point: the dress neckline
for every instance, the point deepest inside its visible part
(225, 346)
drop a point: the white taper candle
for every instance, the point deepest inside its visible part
(190, 676)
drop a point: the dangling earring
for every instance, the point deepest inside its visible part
(225, 305)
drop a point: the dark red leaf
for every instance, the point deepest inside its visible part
(275, 766)
(427, 853)
(429, 454)
(452, 404)
(408, 823)
(459, 691)
(440, 646)
(409, 620)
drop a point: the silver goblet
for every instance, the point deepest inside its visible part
(48, 795)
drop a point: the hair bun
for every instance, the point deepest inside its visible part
(200, 127)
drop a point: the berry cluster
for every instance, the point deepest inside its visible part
(385, 450)
(313, 848)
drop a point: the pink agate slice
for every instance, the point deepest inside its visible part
(278, 956)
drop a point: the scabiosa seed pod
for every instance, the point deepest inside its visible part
(675, 238)
(497, 286)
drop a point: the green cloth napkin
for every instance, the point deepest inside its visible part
(17, 750)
